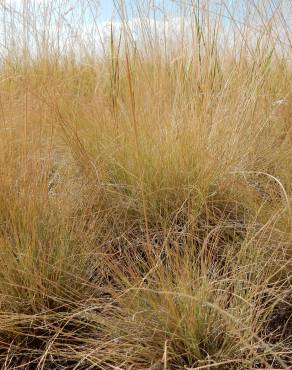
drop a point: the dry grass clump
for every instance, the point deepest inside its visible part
(145, 193)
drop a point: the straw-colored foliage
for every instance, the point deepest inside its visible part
(145, 192)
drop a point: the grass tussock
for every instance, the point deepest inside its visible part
(145, 188)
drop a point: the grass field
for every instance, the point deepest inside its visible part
(145, 187)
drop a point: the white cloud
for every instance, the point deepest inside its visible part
(65, 31)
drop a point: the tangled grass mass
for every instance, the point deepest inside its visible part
(145, 185)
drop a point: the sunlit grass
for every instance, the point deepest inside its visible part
(145, 193)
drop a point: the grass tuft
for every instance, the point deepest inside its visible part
(145, 186)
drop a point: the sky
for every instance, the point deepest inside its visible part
(64, 27)
(106, 9)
